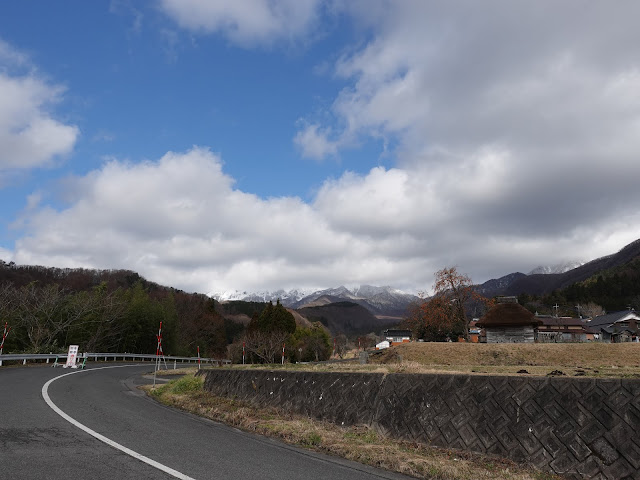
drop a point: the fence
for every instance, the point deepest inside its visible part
(124, 357)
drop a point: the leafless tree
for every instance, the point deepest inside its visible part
(39, 311)
(101, 313)
(342, 345)
(591, 310)
(266, 345)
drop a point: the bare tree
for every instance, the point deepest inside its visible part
(446, 310)
(266, 345)
(46, 312)
(7, 300)
(342, 345)
(39, 312)
(591, 310)
(101, 315)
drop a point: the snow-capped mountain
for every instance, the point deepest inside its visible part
(286, 297)
(558, 268)
(378, 300)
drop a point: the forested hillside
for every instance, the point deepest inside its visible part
(614, 289)
(105, 310)
(611, 282)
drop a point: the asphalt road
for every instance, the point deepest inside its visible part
(36, 442)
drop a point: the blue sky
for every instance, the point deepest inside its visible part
(254, 145)
(137, 87)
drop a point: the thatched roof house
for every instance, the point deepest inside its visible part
(509, 322)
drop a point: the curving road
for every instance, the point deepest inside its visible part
(145, 440)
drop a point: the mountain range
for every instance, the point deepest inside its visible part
(543, 283)
(380, 301)
(390, 302)
(612, 281)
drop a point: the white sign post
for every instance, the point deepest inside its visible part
(71, 357)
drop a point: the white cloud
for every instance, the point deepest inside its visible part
(315, 143)
(517, 129)
(247, 23)
(180, 221)
(30, 136)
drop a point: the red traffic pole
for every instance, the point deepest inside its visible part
(159, 337)
(158, 352)
(198, 358)
(5, 334)
(283, 354)
(243, 346)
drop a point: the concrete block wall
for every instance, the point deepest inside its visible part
(575, 427)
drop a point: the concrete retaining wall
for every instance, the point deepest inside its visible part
(580, 428)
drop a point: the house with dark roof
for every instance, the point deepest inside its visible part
(509, 322)
(616, 327)
(562, 330)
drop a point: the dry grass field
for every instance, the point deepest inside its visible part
(572, 359)
(620, 360)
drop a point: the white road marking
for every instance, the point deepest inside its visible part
(102, 438)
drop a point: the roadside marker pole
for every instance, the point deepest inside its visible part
(283, 354)
(5, 334)
(334, 347)
(159, 353)
(198, 358)
(243, 345)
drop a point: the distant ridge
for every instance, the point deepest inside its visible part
(346, 317)
(558, 268)
(381, 301)
(540, 284)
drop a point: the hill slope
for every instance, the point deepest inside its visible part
(346, 317)
(540, 284)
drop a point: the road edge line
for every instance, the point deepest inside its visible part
(102, 438)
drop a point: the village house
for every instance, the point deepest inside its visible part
(397, 336)
(562, 330)
(394, 337)
(616, 327)
(509, 322)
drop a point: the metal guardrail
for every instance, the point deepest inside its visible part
(48, 357)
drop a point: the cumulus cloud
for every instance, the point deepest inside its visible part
(29, 134)
(315, 143)
(517, 129)
(246, 23)
(180, 220)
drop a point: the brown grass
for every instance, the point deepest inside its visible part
(571, 359)
(583, 359)
(358, 443)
